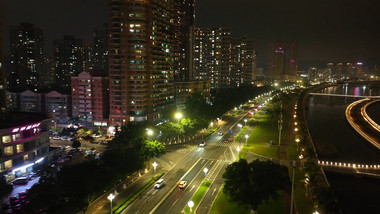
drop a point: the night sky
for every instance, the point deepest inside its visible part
(325, 30)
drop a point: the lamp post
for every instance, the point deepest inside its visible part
(154, 166)
(238, 150)
(178, 116)
(280, 127)
(111, 197)
(291, 197)
(245, 122)
(190, 204)
(246, 139)
(205, 170)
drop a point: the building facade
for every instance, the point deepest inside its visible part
(3, 82)
(212, 56)
(184, 90)
(24, 141)
(69, 60)
(58, 106)
(90, 100)
(141, 59)
(282, 61)
(26, 55)
(184, 24)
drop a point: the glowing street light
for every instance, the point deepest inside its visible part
(298, 140)
(239, 125)
(296, 129)
(212, 124)
(154, 166)
(246, 139)
(111, 197)
(190, 204)
(149, 132)
(178, 115)
(245, 122)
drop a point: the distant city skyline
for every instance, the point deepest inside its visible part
(330, 31)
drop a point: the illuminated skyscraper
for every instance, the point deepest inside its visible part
(68, 60)
(283, 61)
(141, 59)
(3, 103)
(212, 55)
(184, 21)
(26, 52)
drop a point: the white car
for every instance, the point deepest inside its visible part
(182, 184)
(56, 138)
(202, 144)
(220, 133)
(159, 183)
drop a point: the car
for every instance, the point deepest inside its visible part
(56, 138)
(220, 133)
(159, 183)
(227, 141)
(20, 181)
(182, 184)
(202, 144)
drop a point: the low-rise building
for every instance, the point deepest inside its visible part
(24, 141)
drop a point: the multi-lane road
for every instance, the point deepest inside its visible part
(189, 166)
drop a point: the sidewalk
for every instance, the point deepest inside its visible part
(127, 187)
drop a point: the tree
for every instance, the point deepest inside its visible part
(151, 149)
(256, 182)
(76, 144)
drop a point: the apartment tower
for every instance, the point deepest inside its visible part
(141, 59)
(26, 52)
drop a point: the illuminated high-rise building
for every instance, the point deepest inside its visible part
(69, 60)
(3, 103)
(98, 63)
(26, 55)
(212, 56)
(184, 23)
(243, 62)
(141, 59)
(283, 61)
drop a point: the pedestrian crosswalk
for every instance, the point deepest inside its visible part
(229, 144)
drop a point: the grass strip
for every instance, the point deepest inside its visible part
(125, 203)
(241, 133)
(211, 131)
(198, 195)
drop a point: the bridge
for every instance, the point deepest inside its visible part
(344, 95)
(358, 118)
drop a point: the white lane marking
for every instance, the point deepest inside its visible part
(192, 188)
(175, 202)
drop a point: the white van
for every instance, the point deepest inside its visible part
(159, 183)
(20, 181)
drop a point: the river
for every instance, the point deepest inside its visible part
(336, 140)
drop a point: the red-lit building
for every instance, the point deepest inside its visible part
(90, 100)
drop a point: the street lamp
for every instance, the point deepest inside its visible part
(205, 170)
(111, 197)
(240, 126)
(212, 124)
(246, 139)
(190, 204)
(238, 150)
(245, 122)
(178, 115)
(154, 165)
